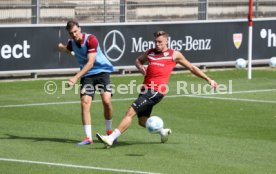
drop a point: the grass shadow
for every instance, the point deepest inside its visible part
(38, 139)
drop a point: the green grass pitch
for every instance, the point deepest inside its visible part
(212, 133)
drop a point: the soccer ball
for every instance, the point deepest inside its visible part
(154, 124)
(272, 62)
(240, 63)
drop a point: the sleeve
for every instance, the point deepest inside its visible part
(92, 44)
(69, 45)
(149, 51)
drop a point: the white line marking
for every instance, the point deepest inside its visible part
(57, 103)
(168, 96)
(234, 99)
(74, 166)
(252, 91)
(243, 92)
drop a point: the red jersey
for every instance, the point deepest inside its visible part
(159, 69)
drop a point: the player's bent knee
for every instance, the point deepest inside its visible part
(142, 121)
(130, 113)
(141, 124)
(86, 100)
(107, 103)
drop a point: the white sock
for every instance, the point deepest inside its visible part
(115, 134)
(161, 131)
(88, 131)
(108, 124)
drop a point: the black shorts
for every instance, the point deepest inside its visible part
(90, 84)
(146, 100)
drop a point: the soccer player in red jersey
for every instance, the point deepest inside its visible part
(161, 61)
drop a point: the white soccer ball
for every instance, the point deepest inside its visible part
(240, 63)
(272, 62)
(154, 124)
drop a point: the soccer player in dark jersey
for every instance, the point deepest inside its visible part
(94, 73)
(161, 61)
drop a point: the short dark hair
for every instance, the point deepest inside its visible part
(160, 33)
(71, 24)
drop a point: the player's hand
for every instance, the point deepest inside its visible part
(60, 45)
(143, 70)
(213, 83)
(72, 81)
(64, 49)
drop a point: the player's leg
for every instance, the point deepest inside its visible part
(123, 126)
(107, 105)
(142, 121)
(85, 109)
(141, 107)
(86, 119)
(136, 107)
(145, 112)
(104, 86)
(86, 96)
(127, 120)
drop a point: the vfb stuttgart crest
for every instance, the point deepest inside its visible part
(237, 39)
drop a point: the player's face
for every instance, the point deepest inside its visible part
(161, 43)
(75, 33)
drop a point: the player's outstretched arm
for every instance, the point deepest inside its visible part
(179, 58)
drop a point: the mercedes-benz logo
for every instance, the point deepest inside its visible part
(114, 45)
